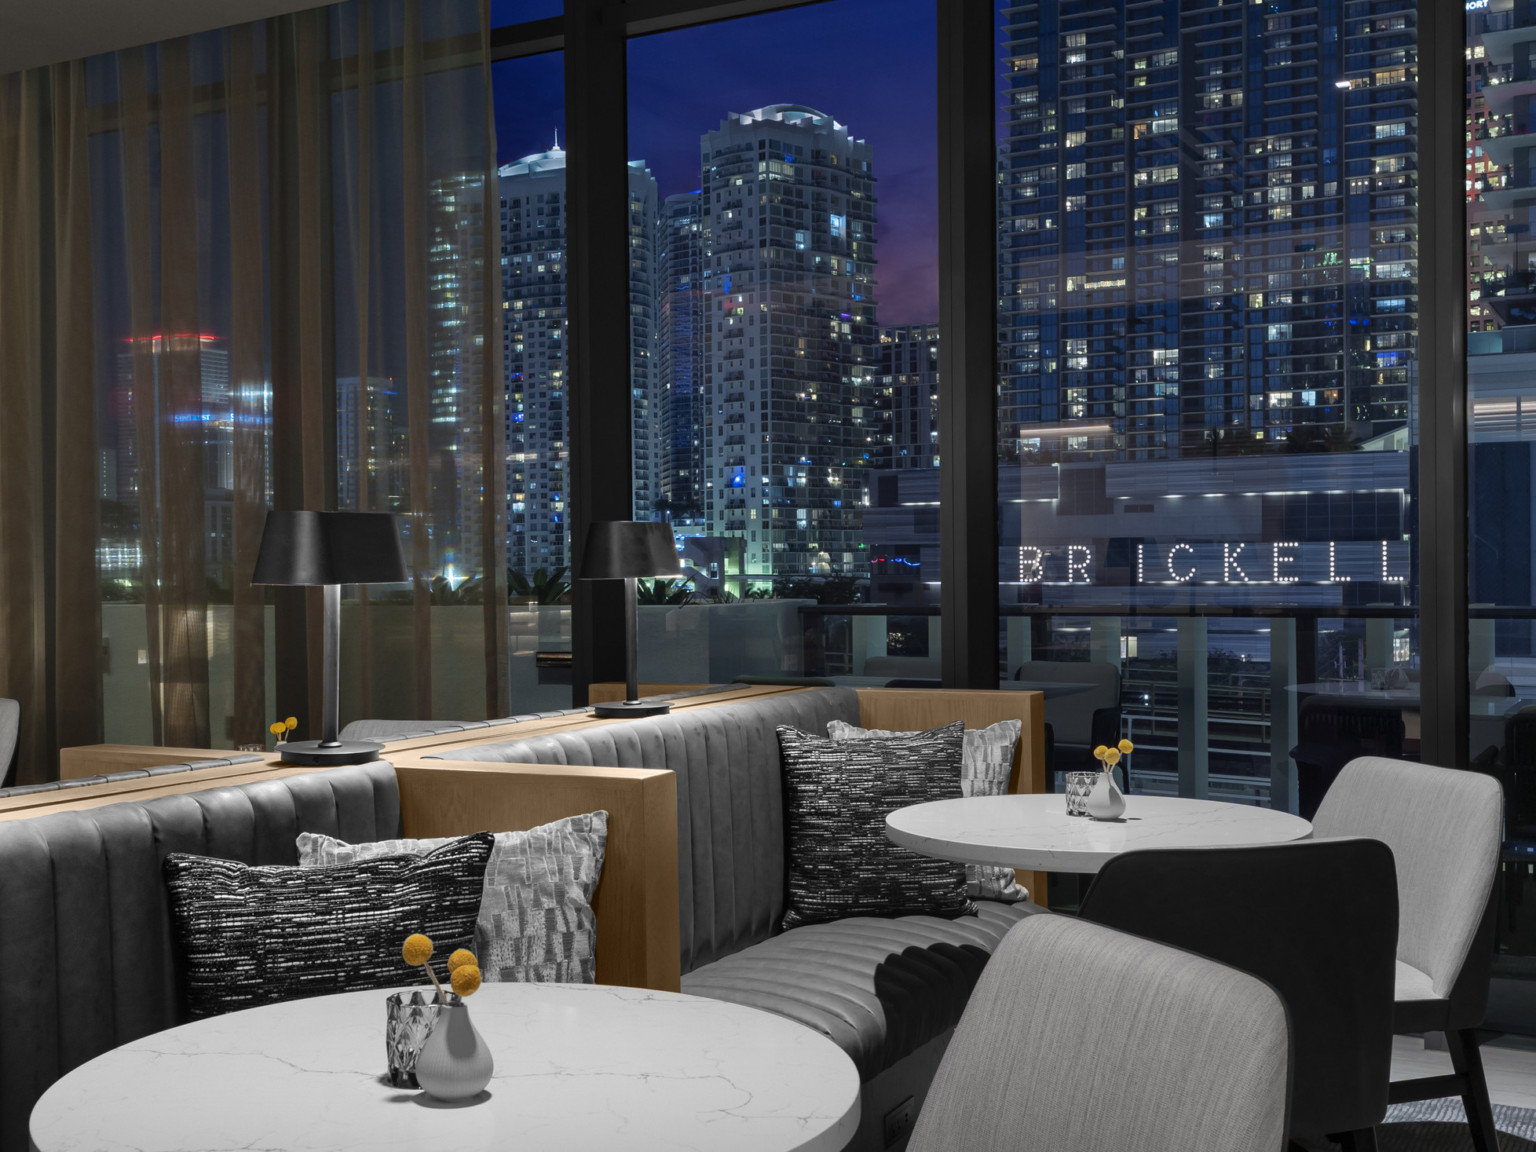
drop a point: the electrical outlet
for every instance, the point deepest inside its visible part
(899, 1120)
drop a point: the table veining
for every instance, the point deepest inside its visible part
(581, 1068)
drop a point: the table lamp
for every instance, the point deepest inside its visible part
(329, 549)
(627, 550)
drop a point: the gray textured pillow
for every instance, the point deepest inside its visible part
(986, 762)
(536, 922)
(836, 798)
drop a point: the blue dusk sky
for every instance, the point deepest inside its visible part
(870, 64)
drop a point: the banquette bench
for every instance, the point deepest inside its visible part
(691, 891)
(889, 991)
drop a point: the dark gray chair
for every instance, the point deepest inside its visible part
(1331, 732)
(1318, 921)
(1082, 1039)
(1444, 827)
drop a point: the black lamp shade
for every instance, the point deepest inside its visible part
(316, 548)
(624, 549)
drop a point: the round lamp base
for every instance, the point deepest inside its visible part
(630, 709)
(346, 752)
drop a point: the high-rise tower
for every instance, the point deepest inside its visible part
(788, 207)
(681, 354)
(1206, 228)
(533, 226)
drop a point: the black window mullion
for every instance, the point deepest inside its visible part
(968, 594)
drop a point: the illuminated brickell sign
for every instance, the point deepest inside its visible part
(1205, 562)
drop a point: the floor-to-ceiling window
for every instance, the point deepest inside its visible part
(1208, 393)
(784, 341)
(1501, 480)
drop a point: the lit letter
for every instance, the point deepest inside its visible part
(1385, 579)
(1078, 565)
(1333, 575)
(1030, 563)
(1229, 561)
(1281, 558)
(1190, 575)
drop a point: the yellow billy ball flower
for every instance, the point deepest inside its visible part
(461, 957)
(276, 728)
(1112, 757)
(291, 723)
(1100, 752)
(466, 979)
(1127, 747)
(418, 949)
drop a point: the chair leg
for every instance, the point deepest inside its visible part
(1467, 1060)
(1360, 1140)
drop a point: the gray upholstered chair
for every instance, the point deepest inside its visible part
(1079, 1038)
(1444, 827)
(10, 725)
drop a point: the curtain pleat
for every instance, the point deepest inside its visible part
(140, 234)
(360, 203)
(77, 656)
(493, 393)
(317, 397)
(184, 561)
(23, 635)
(414, 193)
(247, 375)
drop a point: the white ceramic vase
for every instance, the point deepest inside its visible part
(455, 1063)
(1105, 802)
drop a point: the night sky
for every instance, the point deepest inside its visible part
(870, 64)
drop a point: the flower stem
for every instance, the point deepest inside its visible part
(441, 995)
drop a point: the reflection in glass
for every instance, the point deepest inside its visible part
(1501, 360)
(1207, 403)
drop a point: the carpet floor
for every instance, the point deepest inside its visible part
(1441, 1126)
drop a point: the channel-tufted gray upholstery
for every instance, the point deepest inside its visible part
(89, 961)
(730, 805)
(880, 988)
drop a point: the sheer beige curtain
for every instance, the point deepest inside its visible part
(420, 368)
(49, 655)
(248, 269)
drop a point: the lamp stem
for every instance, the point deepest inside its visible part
(631, 640)
(330, 708)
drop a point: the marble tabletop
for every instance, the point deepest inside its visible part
(1036, 832)
(580, 1068)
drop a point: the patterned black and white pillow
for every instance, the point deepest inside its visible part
(837, 796)
(536, 920)
(249, 935)
(986, 765)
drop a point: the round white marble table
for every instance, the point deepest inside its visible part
(1035, 832)
(580, 1068)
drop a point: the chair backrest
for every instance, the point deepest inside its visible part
(1315, 919)
(1351, 726)
(1082, 1039)
(1071, 715)
(1444, 827)
(10, 725)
